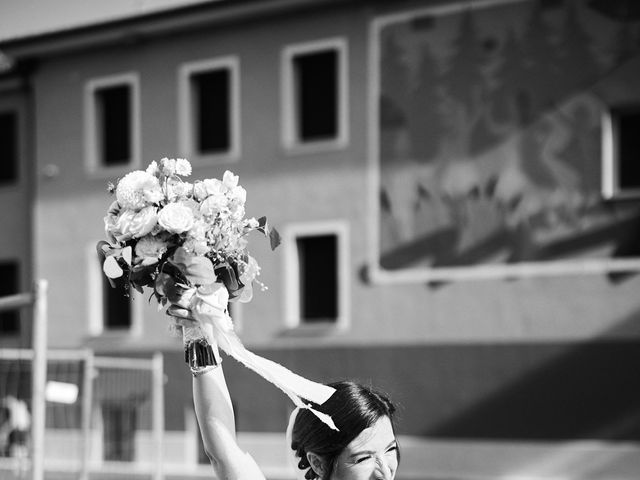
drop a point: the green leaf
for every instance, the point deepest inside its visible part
(274, 238)
(164, 282)
(142, 275)
(126, 254)
(229, 276)
(198, 270)
(111, 268)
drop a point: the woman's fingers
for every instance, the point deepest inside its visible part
(181, 296)
(180, 313)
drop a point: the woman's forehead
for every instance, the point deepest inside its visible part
(376, 437)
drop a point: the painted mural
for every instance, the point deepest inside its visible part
(489, 134)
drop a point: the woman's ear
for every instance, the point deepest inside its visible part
(317, 464)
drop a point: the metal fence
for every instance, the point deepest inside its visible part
(69, 414)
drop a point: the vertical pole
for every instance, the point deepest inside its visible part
(158, 413)
(38, 379)
(87, 410)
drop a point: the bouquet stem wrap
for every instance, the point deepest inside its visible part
(198, 350)
(211, 309)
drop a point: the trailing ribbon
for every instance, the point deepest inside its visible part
(211, 309)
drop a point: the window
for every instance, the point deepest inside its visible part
(621, 157)
(314, 94)
(119, 420)
(113, 132)
(8, 147)
(117, 314)
(316, 275)
(110, 313)
(9, 282)
(209, 109)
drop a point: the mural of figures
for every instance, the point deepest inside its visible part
(490, 135)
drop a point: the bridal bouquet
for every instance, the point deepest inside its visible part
(189, 240)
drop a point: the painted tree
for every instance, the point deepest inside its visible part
(465, 85)
(424, 109)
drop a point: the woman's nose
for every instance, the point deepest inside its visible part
(383, 470)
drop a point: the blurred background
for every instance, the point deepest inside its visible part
(457, 185)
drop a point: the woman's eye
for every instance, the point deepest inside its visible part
(363, 459)
(392, 449)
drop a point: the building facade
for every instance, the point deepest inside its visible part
(454, 184)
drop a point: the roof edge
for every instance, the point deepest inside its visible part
(133, 29)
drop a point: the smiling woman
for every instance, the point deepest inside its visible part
(364, 447)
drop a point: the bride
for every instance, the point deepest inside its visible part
(363, 448)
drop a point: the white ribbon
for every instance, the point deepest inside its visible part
(211, 309)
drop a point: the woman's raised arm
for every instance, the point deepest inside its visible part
(214, 412)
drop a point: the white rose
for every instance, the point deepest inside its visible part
(132, 224)
(176, 218)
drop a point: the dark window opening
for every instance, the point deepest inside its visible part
(114, 125)
(318, 261)
(627, 137)
(116, 307)
(316, 83)
(119, 422)
(8, 147)
(9, 285)
(212, 110)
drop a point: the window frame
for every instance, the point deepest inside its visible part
(96, 322)
(186, 123)
(291, 290)
(610, 186)
(93, 160)
(290, 141)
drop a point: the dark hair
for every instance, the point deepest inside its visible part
(353, 407)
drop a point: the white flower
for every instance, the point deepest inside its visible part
(149, 249)
(176, 218)
(239, 193)
(168, 166)
(229, 179)
(251, 223)
(183, 167)
(137, 190)
(196, 246)
(131, 224)
(236, 210)
(249, 271)
(153, 169)
(177, 189)
(214, 205)
(207, 187)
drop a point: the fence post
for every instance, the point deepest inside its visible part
(87, 410)
(39, 378)
(158, 414)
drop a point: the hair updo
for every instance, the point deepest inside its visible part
(353, 407)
